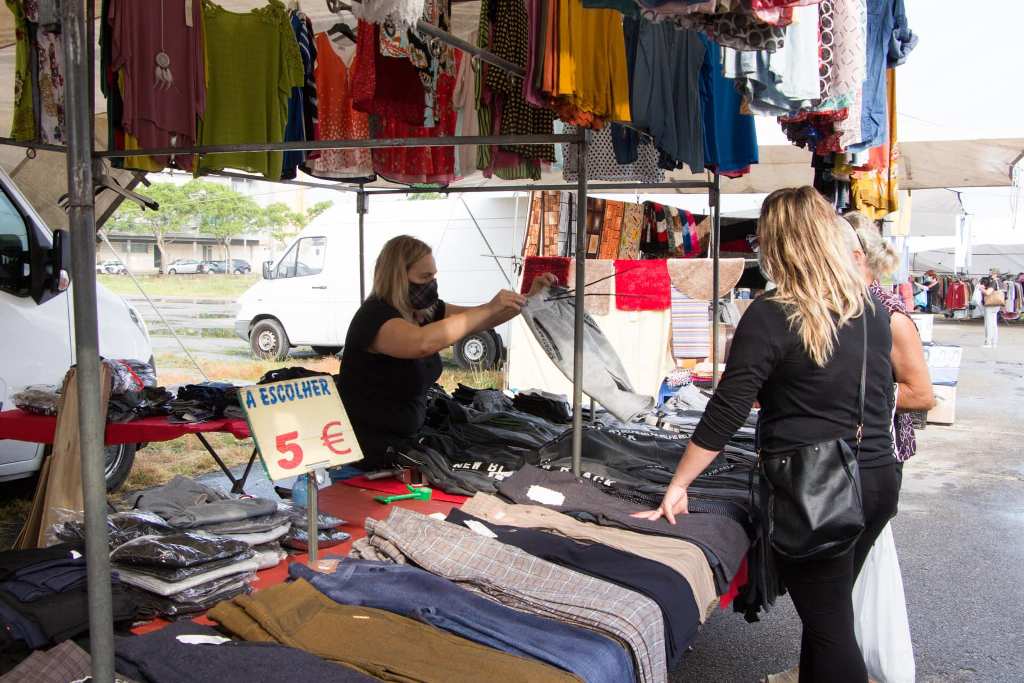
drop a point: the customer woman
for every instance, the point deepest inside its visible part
(990, 289)
(391, 356)
(877, 258)
(798, 351)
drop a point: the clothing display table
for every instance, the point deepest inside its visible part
(20, 425)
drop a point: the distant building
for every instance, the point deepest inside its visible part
(139, 254)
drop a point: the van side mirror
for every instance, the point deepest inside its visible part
(268, 270)
(48, 272)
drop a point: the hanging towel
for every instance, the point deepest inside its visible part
(694, 277)
(598, 295)
(538, 265)
(642, 285)
(691, 326)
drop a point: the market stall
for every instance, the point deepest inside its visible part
(642, 588)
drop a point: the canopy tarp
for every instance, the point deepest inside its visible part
(926, 164)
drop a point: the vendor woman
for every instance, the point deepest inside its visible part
(391, 355)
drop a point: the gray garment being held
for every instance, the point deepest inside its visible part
(723, 540)
(521, 581)
(551, 315)
(185, 503)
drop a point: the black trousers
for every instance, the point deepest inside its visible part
(822, 591)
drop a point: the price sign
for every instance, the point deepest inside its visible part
(299, 425)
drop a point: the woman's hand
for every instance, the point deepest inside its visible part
(507, 302)
(542, 281)
(674, 503)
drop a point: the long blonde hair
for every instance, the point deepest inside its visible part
(391, 274)
(805, 254)
(882, 258)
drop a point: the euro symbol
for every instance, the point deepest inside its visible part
(332, 437)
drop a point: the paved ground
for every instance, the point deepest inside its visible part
(960, 536)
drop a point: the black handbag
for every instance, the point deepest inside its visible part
(810, 497)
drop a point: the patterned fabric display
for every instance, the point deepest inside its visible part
(691, 327)
(632, 223)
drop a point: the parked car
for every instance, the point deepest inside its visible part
(309, 295)
(36, 309)
(112, 267)
(186, 266)
(239, 267)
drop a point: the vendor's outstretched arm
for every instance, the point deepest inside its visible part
(400, 338)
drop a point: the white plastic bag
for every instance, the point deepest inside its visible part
(880, 614)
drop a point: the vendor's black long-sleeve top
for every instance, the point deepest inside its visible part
(802, 403)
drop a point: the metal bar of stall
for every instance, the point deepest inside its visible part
(361, 209)
(581, 284)
(313, 145)
(716, 247)
(33, 145)
(677, 185)
(82, 224)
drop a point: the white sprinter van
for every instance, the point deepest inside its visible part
(309, 295)
(37, 327)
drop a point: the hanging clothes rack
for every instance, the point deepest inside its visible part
(78, 23)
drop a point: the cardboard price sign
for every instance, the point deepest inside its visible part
(299, 425)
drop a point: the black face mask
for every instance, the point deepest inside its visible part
(423, 296)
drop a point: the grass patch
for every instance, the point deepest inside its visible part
(200, 332)
(215, 286)
(172, 366)
(158, 463)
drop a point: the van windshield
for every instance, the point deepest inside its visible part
(306, 257)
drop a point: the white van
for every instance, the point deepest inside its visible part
(36, 320)
(309, 295)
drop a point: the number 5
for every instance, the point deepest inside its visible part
(284, 447)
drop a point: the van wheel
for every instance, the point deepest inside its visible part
(477, 351)
(172, 271)
(327, 350)
(268, 340)
(118, 463)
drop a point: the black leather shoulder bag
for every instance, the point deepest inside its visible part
(810, 498)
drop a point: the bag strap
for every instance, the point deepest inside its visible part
(863, 380)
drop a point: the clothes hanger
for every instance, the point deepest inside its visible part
(102, 183)
(343, 29)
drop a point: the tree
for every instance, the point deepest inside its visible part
(173, 216)
(223, 213)
(282, 222)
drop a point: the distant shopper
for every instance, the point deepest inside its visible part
(876, 258)
(993, 299)
(799, 351)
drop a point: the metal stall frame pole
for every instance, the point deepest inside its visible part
(91, 426)
(361, 209)
(312, 518)
(581, 284)
(716, 239)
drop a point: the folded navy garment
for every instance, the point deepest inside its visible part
(186, 651)
(39, 581)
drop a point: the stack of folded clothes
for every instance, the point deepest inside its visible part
(206, 401)
(44, 600)
(184, 573)
(329, 533)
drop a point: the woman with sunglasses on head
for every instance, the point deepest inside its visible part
(876, 258)
(392, 349)
(799, 351)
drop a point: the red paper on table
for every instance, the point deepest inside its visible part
(538, 265)
(392, 487)
(642, 285)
